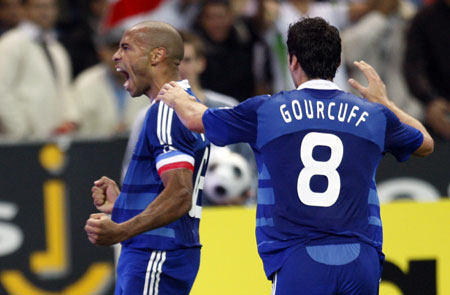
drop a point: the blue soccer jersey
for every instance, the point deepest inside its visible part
(317, 149)
(164, 144)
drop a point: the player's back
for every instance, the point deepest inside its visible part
(317, 150)
(321, 149)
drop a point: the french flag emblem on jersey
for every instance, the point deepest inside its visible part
(173, 160)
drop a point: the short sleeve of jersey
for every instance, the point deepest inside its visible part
(401, 139)
(225, 126)
(171, 142)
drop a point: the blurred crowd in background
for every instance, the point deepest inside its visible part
(57, 76)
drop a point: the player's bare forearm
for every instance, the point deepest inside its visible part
(171, 204)
(376, 92)
(187, 108)
(191, 114)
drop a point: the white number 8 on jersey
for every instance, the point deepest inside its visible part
(325, 168)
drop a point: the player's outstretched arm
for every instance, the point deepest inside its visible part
(171, 204)
(104, 194)
(187, 108)
(376, 92)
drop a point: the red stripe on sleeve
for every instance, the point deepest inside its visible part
(177, 165)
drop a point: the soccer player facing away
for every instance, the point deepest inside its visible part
(156, 215)
(318, 224)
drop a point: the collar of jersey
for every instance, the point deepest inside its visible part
(184, 84)
(318, 84)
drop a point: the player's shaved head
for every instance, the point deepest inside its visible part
(153, 34)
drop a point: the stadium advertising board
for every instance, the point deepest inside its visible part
(44, 203)
(416, 236)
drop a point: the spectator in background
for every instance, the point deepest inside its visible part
(34, 76)
(193, 65)
(10, 14)
(230, 42)
(126, 13)
(275, 18)
(427, 64)
(79, 33)
(105, 108)
(378, 39)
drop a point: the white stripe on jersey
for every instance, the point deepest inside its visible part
(156, 273)
(164, 124)
(158, 123)
(274, 284)
(159, 272)
(169, 126)
(196, 211)
(147, 273)
(175, 159)
(154, 268)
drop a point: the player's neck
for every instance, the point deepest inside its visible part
(157, 82)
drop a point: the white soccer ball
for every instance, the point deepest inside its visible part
(228, 176)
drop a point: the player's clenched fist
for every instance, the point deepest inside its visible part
(104, 193)
(101, 230)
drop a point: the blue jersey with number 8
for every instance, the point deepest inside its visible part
(317, 150)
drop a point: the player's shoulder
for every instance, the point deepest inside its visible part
(163, 116)
(372, 107)
(158, 107)
(216, 99)
(362, 101)
(259, 99)
(252, 104)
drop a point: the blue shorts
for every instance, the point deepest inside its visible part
(156, 272)
(346, 269)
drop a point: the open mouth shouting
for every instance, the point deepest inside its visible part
(126, 75)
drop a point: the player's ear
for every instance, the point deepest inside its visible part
(157, 55)
(293, 62)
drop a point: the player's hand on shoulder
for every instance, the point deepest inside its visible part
(104, 194)
(171, 92)
(375, 90)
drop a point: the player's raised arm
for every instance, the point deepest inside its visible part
(376, 92)
(187, 108)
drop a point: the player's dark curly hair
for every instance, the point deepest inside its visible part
(317, 46)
